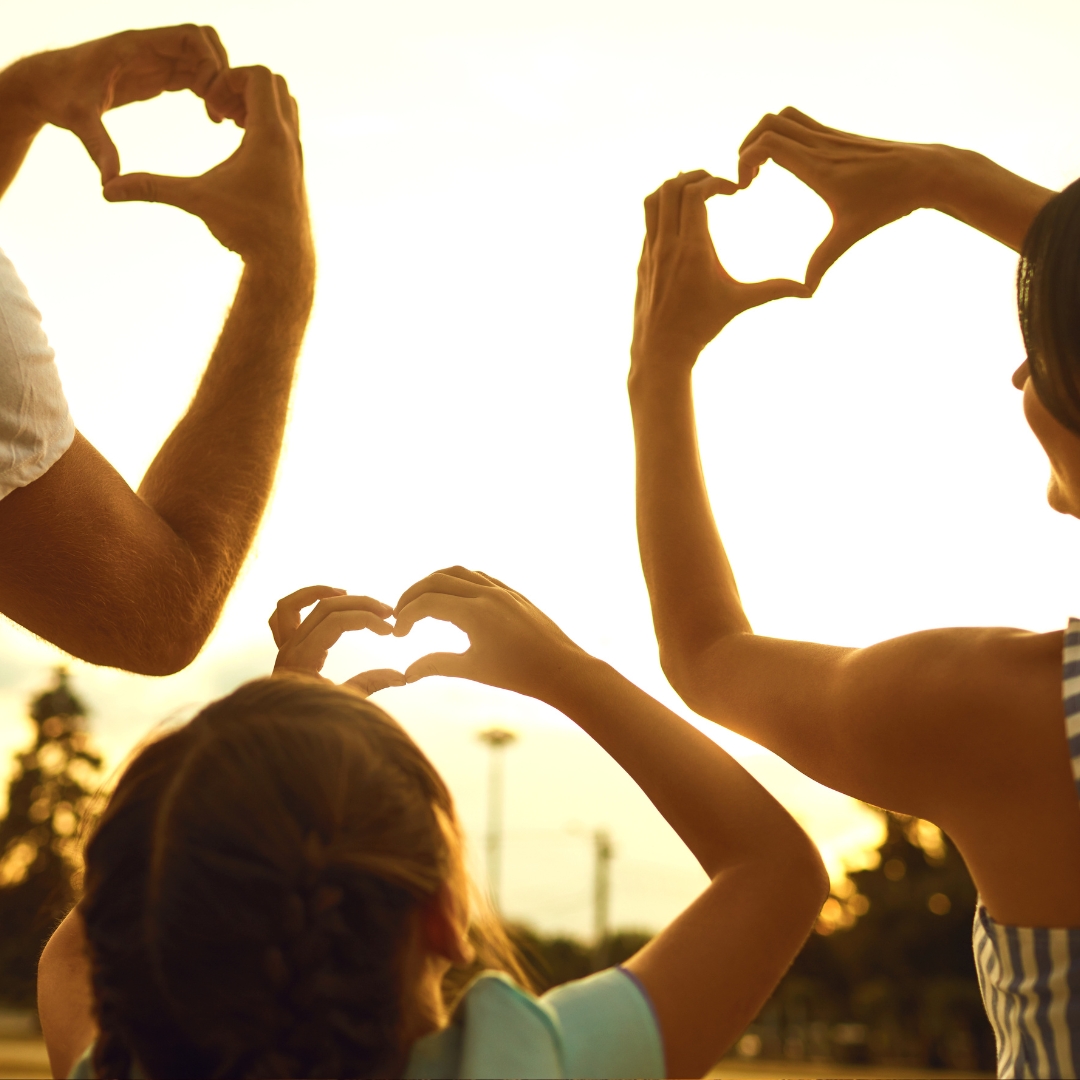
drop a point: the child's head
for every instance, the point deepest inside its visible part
(270, 890)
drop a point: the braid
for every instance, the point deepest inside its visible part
(251, 890)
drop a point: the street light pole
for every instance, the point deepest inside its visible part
(604, 851)
(497, 740)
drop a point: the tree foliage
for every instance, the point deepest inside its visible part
(48, 796)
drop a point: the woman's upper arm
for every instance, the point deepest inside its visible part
(889, 722)
(64, 995)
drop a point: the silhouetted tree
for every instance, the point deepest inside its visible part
(39, 861)
(889, 975)
(559, 959)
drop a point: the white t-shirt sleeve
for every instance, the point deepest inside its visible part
(35, 424)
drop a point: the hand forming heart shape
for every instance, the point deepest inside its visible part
(770, 228)
(303, 646)
(72, 88)
(866, 183)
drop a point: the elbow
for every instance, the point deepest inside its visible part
(167, 647)
(154, 644)
(806, 881)
(693, 670)
(680, 674)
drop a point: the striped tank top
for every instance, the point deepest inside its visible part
(1030, 976)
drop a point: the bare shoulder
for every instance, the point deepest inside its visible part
(950, 718)
(1001, 669)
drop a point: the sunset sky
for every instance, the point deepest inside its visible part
(475, 173)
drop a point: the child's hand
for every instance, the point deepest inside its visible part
(303, 645)
(512, 644)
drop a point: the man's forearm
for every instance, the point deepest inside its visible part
(982, 194)
(691, 585)
(211, 480)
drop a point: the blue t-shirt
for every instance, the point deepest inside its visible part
(601, 1026)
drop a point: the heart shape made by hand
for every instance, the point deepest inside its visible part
(365, 651)
(770, 229)
(170, 135)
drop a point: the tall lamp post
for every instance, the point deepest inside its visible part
(604, 851)
(497, 740)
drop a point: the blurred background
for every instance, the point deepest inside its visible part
(475, 172)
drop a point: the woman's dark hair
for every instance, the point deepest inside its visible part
(1048, 298)
(250, 884)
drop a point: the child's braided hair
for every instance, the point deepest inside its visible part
(250, 886)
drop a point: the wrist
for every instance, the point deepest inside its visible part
(652, 375)
(20, 108)
(573, 677)
(289, 267)
(951, 173)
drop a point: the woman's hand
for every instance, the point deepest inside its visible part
(304, 645)
(866, 183)
(512, 644)
(684, 296)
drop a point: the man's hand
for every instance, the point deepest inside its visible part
(513, 645)
(685, 297)
(253, 202)
(304, 645)
(72, 88)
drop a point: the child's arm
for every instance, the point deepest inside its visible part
(64, 996)
(711, 970)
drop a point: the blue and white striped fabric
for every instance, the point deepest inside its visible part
(1030, 976)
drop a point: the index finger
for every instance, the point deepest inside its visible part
(212, 38)
(671, 201)
(286, 617)
(261, 97)
(787, 123)
(195, 57)
(455, 580)
(807, 121)
(693, 213)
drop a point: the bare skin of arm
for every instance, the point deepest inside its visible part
(710, 971)
(868, 183)
(64, 995)
(137, 579)
(964, 727)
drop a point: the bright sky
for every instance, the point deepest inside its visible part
(476, 172)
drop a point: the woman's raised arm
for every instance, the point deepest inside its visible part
(963, 726)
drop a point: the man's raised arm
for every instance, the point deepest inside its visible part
(138, 580)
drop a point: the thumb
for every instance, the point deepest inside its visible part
(828, 251)
(756, 293)
(99, 145)
(452, 664)
(149, 187)
(371, 682)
